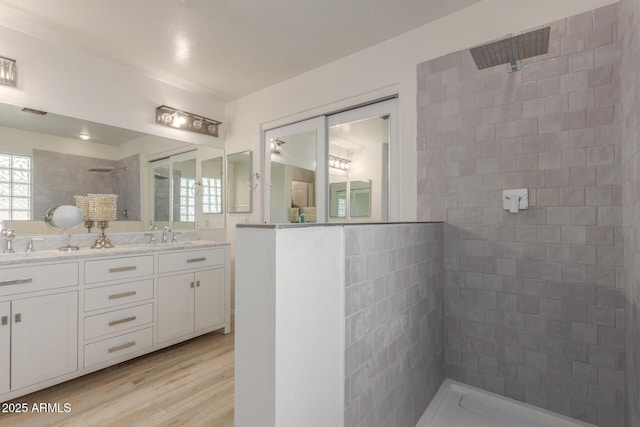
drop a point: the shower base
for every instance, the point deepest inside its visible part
(459, 405)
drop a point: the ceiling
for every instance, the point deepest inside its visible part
(223, 48)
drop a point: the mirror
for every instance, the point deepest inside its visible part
(212, 197)
(64, 218)
(293, 177)
(175, 191)
(350, 199)
(60, 165)
(239, 182)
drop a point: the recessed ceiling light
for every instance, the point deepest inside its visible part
(84, 136)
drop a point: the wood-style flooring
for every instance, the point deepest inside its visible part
(189, 384)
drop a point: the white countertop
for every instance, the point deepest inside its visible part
(58, 255)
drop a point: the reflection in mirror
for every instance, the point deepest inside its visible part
(360, 200)
(349, 199)
(212, 187)
(238, 182)
(174, 201)
(293, 177)
(360, 192)
(44, 163)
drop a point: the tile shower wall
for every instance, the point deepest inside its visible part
(57, 177)
(394, 360)
(534, 301)
(630, 81)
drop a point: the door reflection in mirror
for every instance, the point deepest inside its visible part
(360, 193)
(293, 178)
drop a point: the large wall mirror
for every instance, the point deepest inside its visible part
(44, 162)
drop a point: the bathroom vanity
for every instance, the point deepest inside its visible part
(63, 315)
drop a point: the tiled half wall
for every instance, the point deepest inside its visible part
(534, 301)
(394, 361)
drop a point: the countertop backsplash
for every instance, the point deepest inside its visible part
(84, 241)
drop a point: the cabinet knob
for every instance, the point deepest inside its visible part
(198, 283)
(18, 318)
(5, 320)
(192, 284)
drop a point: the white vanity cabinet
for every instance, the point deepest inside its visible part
(118, 309)
(5, 346)
(44, 338)
(38, 324)
(191, 303)
(63, 315)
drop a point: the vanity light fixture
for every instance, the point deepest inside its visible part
(8, 73)
(339, 163)
(172, 117)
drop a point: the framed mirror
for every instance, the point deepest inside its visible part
(349, 200)
(239, 182)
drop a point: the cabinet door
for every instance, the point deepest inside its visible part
(209, 298)
(5, 346)
(175, 306)
(44, 340)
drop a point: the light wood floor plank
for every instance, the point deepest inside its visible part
(189, 384)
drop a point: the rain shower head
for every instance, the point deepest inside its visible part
(512, 49)
(106, 169)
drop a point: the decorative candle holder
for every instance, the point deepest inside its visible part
(82, 202)
(102, 242)
(102, 209)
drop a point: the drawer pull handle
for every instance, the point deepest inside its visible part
(123, 295)
(122, 347)
(5, 320)
(121, 269)
(15, 282)
(125, 320)
(196, 260)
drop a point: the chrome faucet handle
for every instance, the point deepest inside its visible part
(30, 243)
(9, 234)
(165, 230)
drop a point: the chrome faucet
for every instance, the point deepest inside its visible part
(8, 235)
(165, 231)
(152, 233)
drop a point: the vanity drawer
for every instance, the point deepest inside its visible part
(103, 351)
(116, 321)
(118, 268)
(187, 260)
(38, 277)
(114, 295)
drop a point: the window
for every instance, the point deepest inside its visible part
(187, 200)
(15, 187)
(211, 195)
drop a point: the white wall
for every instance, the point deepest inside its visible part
(70, 83)
(384, 69)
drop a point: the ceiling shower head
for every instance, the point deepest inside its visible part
(106, 169)
(512, 49)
